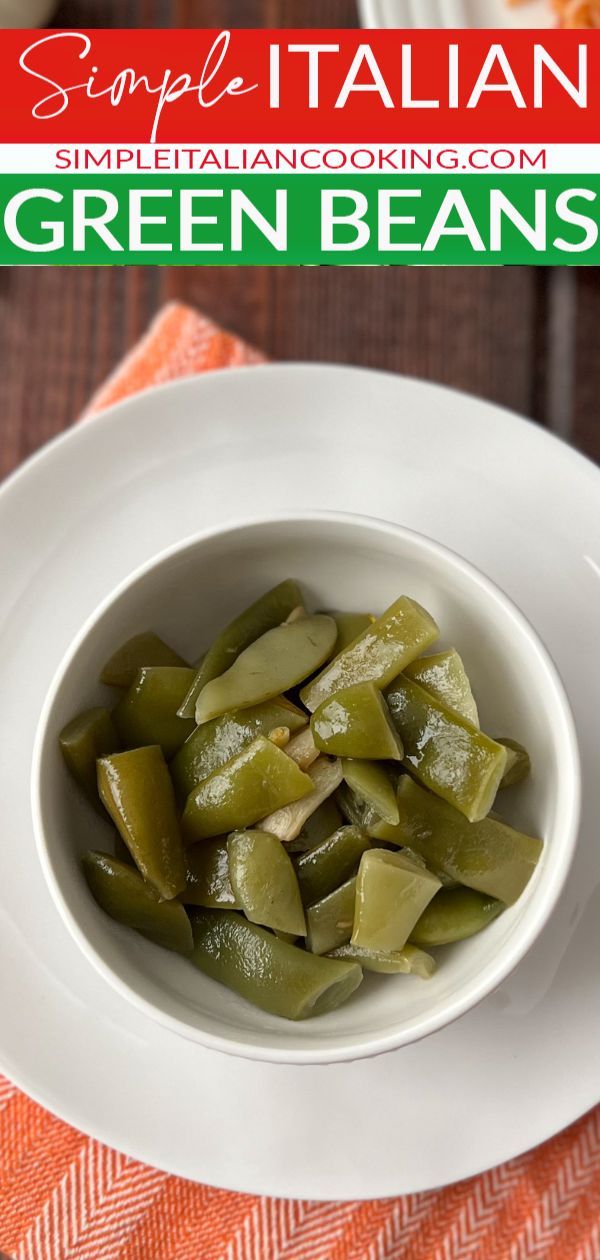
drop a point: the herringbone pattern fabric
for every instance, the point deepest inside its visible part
(66, 1197)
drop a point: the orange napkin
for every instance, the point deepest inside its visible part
(179, 342)
(66, 1197)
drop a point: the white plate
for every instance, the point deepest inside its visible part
(456, 13)
(75, 521)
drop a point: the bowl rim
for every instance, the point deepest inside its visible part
(366, 1044)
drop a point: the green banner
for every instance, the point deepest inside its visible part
(299, 219)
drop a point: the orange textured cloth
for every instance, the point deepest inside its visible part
(64, 1196)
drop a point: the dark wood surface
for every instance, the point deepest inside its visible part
(526, 338)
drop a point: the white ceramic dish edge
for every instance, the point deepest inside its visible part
(451, 14)
(472, 995)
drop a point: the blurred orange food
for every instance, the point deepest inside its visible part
(575, 13)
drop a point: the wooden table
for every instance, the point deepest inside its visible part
(526, 338)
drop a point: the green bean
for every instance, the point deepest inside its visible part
(330, 863)
(453, 915)
(297, 614)
(276, 662)
(278, 977)
(409, 961)
(356, 723)
(268, 611)
(214, 743)
(122, 893)
(365, 817)
(90, 735)
(121, 851)
(147, 712)
(208, 882)
(518, 765)
(136, 789)
(391, 894)
(403, 632)
(329, 921)
(488, 856)
(349, 626)
(371, 784)
(259, 780)
(265, 882)
(445, 677)
(356, 810)
(302, 844)
(444, 752)
(140, 652)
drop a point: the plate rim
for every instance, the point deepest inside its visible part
(111, 413)
(580, 462)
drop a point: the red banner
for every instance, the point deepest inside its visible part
(198, 86)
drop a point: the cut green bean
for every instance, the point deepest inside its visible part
(136, 789)
(121, 851)
(277, 977)
(122, 893)
(297, 614)
(208, 882)
(409, 961)
(391, 894)
(265, 882)
(349, 626)
(453, 915)
(488, 856)
(268, 611)
(329, 921)
(140, 652)
(90, 735)
(274, 663)
(361, 814)
(445, 677)
(518, 764)
(356, 723)
(330, 863)
(371, 784)
(214, 743)
(403, 632)
(147, 713)
(259, 780)
(444, 752)
(365, 817)
(356, 810)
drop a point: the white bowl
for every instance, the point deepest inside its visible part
(187, 594)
